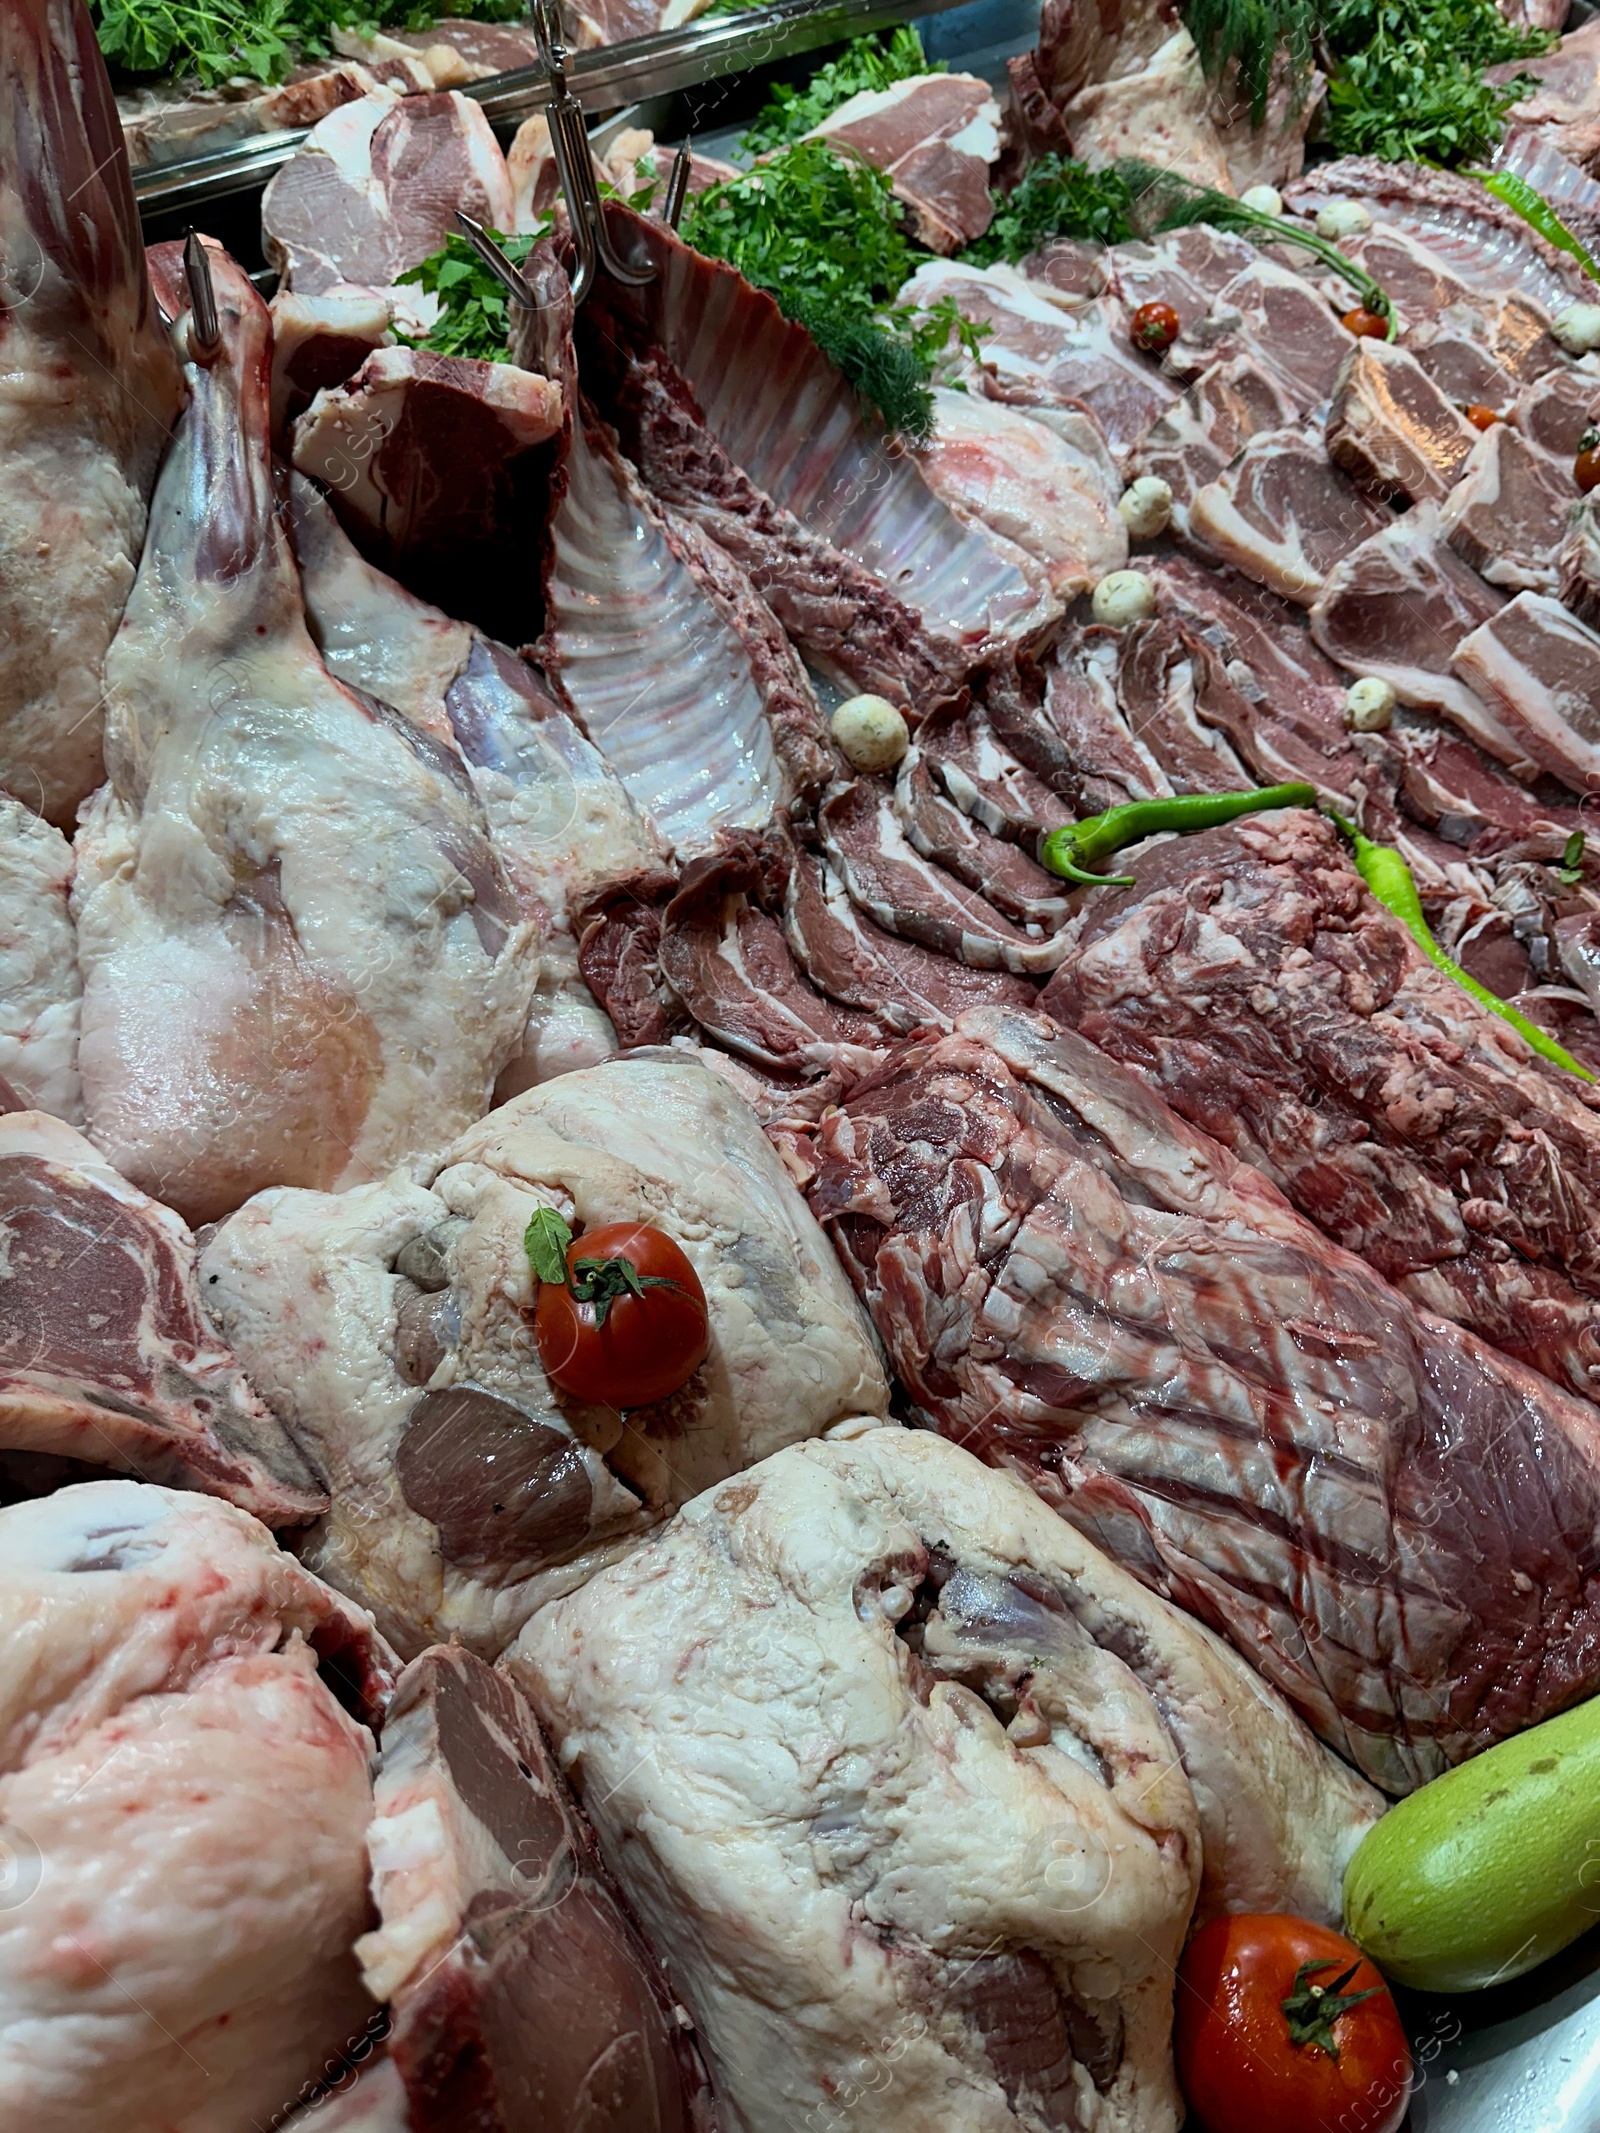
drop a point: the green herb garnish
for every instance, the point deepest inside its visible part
(821, 233)
(545, 1240)
(1056, 198)
(476, 315)
(1570, 872)
(257, 40)
(1408, 82)
(1249, 35)
(865, 63)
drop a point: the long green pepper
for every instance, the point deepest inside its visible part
(1073, 850)
(1537, 212)
(1390, 880)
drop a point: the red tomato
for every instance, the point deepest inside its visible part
(1481, 417)
(1365, 324)
(1586, 467)
(1240, 2066)
(629, 1324)
(1154, 327)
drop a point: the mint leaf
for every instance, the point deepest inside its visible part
(545, 1241)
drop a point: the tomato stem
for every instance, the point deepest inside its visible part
(603, 1282)
(1312, 2010)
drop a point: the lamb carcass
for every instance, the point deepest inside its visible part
(105, 1359)
(896, 1767)
(189, 1803)
(301, 956)
(521, 1993)
(90, 389)
(40, 989)
(1375, 1507)
(386, 1327)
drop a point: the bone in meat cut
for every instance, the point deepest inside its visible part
(89, 388)
(301, 956)
(195, 1801)
(1247, 1417)
(1392, 430)
(40, 990)
(788, 420)
(994, 1684)
(1283, 515)
(1508, 514)
(385, 1326)
(105, 1357)
(1540, 668)
(521, 1992)
(1028, 485)
(935, 136)
(374, 190)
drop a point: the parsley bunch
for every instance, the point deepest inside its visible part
(257, 40)
(476, 316)
(1408, 82)
(1055, 198)
(865, 63)
(821, 233)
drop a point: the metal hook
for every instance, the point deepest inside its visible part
(677, 188)
(508, 276)
(569, 139)
(205, 329)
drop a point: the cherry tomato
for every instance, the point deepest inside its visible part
(1481, 417)
(1586, 467)
(1154, 327)
(1365, 325)
(1284, 2027)
(629, 1324)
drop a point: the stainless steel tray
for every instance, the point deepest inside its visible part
(603, 80)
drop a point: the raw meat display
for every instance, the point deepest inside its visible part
(992, 1860)
(520, 1988)
(193, 1794)
(40, 988)
(385, 1325)
(936, 136)
(92, 390)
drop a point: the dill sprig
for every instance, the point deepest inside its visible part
(1249, 35)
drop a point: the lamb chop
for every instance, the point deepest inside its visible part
(1393, 1522)
(106, 1362)
(950, 1717)
(92, 390)
(385, 1325)
(301, 955)
(184, 1754)
(521, 1992)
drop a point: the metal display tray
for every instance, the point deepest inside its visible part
(1525, 2057)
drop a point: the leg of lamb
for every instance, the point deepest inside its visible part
(187, 1803)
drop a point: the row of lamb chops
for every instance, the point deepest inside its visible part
(1237, 1269)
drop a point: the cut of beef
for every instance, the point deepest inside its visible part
(939, 830)
(1507, 516)
(520, 1991)
(318, 342)
(900, 984)
(1540, 668)
(909, 895)
(935, 136)
(1393, 1522)
(375, 188)
(1193, 442)
(105, 1357)
(1277, 1005)
(1162, 677)
(1392, 429)
(1283, 515)
(1277, 320)
(729, 964)
(1065, 354)
(1052, 496)
(1397, 607)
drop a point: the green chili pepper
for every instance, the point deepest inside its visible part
(1079, 846)
(1390, 880)
(1534, 208)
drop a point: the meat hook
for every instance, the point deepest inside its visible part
(508, 276)
(575, 165)
(677, 188)
(205, 330)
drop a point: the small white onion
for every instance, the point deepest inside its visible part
(1578, 328)
(872, 734)
(1122, 597)
(1146, 506)
(1265, 199)
(1343, 218)
(1369, 705)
